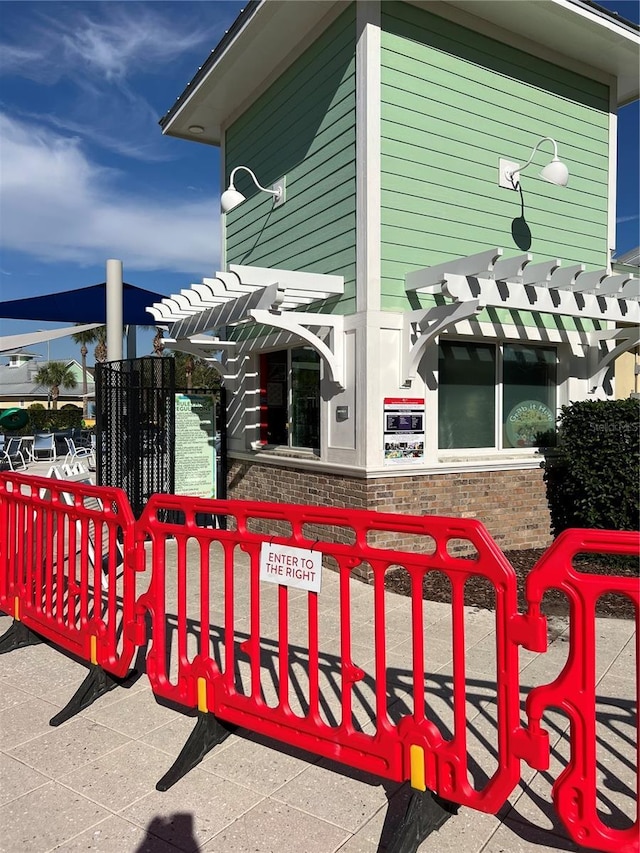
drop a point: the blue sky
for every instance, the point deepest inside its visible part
(85, 173)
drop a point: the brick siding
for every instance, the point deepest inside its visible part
(511, 504)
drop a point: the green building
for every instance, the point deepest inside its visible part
(403, 311)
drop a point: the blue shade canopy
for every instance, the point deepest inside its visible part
(84, 305)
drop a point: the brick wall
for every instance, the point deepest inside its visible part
(511, 504)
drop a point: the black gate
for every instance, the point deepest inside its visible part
(135, 424)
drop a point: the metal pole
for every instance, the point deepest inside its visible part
(114, 310)
(48, 362)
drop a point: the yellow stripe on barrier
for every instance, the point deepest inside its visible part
(202, 694)
(16, 608)
(94, 649)
(416, 754)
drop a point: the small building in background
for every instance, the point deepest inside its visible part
(18, 388)
(627, 365)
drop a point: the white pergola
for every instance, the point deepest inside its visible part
(197, 316)
(198, 319)
(489, 280)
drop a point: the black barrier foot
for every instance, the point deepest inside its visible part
(17, 637)
(97, 683)
(425, 813)
(209, 731)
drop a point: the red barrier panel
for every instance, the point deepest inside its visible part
(286, 673)
(237, 629)
(574, 691)
(67, 567)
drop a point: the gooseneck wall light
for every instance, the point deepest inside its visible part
(555, 172)
(231, 198)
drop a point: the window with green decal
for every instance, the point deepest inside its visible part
(290, 398)
(528, 395)
(495, 395)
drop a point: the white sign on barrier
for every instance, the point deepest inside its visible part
(297, 567)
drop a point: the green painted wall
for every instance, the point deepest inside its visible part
(453, 101)
(303, 127)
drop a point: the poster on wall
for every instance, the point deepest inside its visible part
(403, 430)
(195, 452)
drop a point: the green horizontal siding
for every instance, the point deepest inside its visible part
(303, 127)
(453, 102)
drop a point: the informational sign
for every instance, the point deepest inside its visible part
(195, 445)
(297, 567)
(403, 429)
(528, 422)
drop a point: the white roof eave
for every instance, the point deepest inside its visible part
(273, 35)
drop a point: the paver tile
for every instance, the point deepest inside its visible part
(69, 747)
(213, 802)
(515, 837)
(17, 779)
(21, 723)
(119, 778)
(349, 798)
(10, 696)
(116, 835)
(251, 762)
(44, 818)
(277, 828)
(134, 714)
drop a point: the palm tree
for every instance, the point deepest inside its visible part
(188, 370)
(89, 336)
(158, 344)
(56, 375)
(101, 350)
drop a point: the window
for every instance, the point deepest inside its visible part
(528, 394)
(290, 398)
(495, 396)
(466, 395)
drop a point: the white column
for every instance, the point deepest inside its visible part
(114, 310)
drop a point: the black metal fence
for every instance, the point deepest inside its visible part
(135, 425)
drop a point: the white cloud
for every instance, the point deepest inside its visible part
(101, 118)
(105, 66)
(58, 206)
(108, 41)
(123, 37)
(17, 59)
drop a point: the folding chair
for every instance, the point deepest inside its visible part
(74, 454)
(44, 446)
(12, 453)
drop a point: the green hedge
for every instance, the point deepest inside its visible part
(593, 475)
(45, 420)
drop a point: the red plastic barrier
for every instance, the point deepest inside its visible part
(67, 567)
(207, 565)
(574, 691)
(230, 643)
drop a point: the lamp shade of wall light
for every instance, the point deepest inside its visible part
(231, 197)
(555, 172)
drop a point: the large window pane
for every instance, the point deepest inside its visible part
(466, 395)
(529, 395)
(290, 399)
(305, 384)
